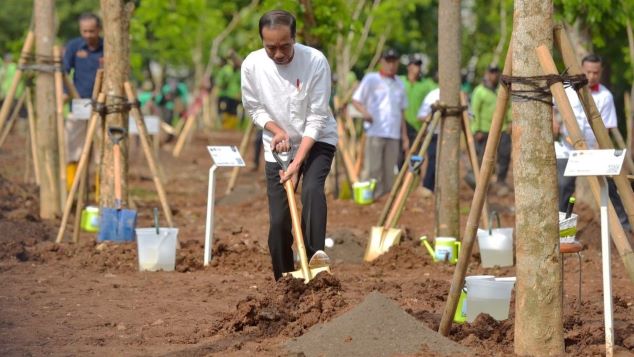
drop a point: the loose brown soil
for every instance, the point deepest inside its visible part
(90, 299)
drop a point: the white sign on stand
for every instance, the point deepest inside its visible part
(222, 156)
(600, 163)
(152, 124)
(81, 109)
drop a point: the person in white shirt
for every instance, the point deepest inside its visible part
(592, 66)
(381, 99)
(285, 90)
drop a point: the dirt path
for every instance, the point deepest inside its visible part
(86, 299)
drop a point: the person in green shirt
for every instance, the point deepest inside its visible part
(227, 80)
(483, 102)
(416, 89)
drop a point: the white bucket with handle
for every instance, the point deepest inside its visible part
(156, 251)
(496, 245)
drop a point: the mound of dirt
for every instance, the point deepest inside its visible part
(376, 327)
(245, 254)
(485, 333)
(288, 308)
(18, 201)
(407, 255)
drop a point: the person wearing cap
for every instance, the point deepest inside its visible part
(381, 100)
(483, 102)
(416, 89)
(285, 90)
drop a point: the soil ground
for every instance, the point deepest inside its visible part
(90, 299)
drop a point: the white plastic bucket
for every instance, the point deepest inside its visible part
(496, 247)
(156, 251)
(491, 297)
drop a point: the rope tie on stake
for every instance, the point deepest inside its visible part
(539, 86)
(122, 107)
(39, 63)
(447, 110)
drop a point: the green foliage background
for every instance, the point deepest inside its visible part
(178, 33)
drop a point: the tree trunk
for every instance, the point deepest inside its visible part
(116, 23)
(538, 302)
(447, 205)
(50, 204)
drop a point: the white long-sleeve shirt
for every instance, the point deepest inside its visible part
(605, 105)
(295, 96)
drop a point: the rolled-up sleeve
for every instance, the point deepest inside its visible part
(250, 99)
(319, 97)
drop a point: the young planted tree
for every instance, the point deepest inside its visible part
(447, 205)
(116, 23)
(538, 303)
(50, 199)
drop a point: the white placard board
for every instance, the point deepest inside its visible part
(152, 123)
(226, 155)
(595, 162)
(81, 109)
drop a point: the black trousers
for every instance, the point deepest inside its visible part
(429, 179)
(503, 154)
(314, 209)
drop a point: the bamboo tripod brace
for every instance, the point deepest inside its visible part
(83, 161)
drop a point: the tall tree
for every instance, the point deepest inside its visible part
(447, 205)
(116, 23)
(50, 199)
(538, 303)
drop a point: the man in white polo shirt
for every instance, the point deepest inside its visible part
(381, 99)
(592, 66)
(285, 90)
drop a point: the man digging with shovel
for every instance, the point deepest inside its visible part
(285, 90)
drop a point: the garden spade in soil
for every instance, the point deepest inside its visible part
(320, 261)
(117, 224)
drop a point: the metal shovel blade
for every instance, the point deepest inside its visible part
(381, 240)
(117, 225)
(299, 274)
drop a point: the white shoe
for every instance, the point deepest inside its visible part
(319, 259)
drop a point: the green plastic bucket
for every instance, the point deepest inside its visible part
(90, 219)
(363, 192)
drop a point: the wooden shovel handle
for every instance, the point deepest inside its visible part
(297, 229)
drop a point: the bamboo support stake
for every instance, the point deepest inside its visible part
(59, 113)
(31, 119)
(8, 99)
(347, 161)
(183, 137)
(594, 119)
(79, 206)
(477, 204)
(12, 120)
(401, 174)
(83, 191)
(563, 105)
(408, 181)
(149, 155)
(244, 146)
(620, 142)
(358, 163)
(473, 157)
(83, 163)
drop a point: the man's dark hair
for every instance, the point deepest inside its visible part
(90, 16)
(592, 58)
(276, 18)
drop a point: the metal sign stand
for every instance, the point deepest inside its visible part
(222, 156)
(601, 163)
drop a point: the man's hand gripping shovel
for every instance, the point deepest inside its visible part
(320, 261)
